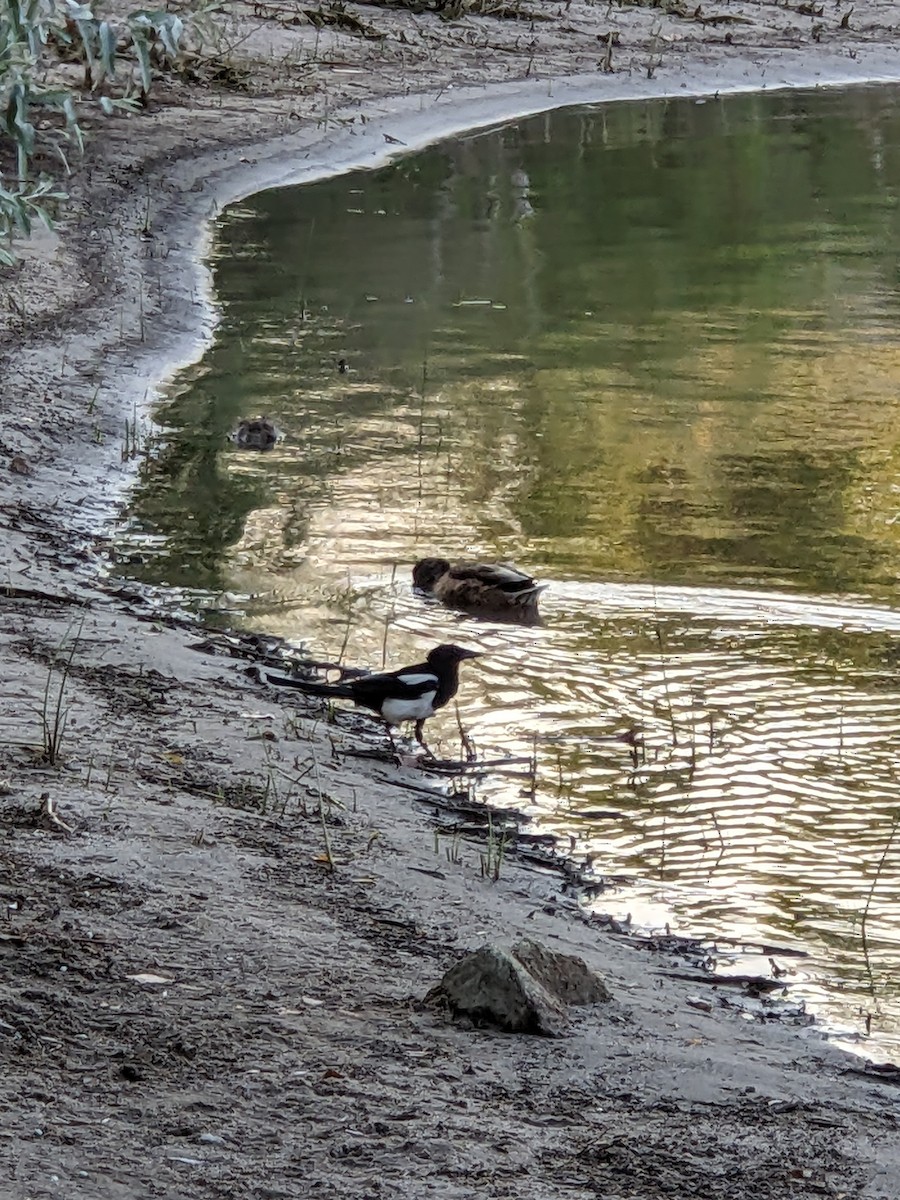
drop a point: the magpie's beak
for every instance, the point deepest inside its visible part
(469, 653)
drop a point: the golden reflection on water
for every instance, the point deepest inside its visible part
(682, 409)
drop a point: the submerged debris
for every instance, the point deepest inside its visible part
(256, 433)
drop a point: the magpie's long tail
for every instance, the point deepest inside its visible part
(341, 691)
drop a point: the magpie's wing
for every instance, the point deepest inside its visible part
(505, 576)
(409, 683)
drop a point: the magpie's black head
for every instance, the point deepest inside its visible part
(447, 655)
(428, 571)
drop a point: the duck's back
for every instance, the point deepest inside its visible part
(503, 577)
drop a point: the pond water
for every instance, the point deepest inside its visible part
(652, 352)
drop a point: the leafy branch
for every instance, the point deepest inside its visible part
(42, 115)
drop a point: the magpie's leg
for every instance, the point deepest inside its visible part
(420, 738)
(390, 734)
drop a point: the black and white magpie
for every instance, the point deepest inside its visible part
(411, 694)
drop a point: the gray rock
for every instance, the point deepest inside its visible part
(525, 989)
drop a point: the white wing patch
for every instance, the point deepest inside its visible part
(395, 712)
(417, 678)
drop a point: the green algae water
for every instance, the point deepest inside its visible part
(651, 352)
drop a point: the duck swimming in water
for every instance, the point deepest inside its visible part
(257, 433)
(494, 587)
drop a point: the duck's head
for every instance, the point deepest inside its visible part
(428, 571)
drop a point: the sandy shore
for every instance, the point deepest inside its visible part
(194, 1004)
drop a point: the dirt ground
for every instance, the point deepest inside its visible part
(195, 1002)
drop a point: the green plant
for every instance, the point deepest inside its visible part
(136, 439)
(451, 852)
(494, 852)
(42, 115)
(54, 713)
(328, 856)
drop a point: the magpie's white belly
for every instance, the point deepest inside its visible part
(395, 712)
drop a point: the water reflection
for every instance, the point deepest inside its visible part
(651, 351)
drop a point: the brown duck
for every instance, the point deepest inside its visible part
(494, 587)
